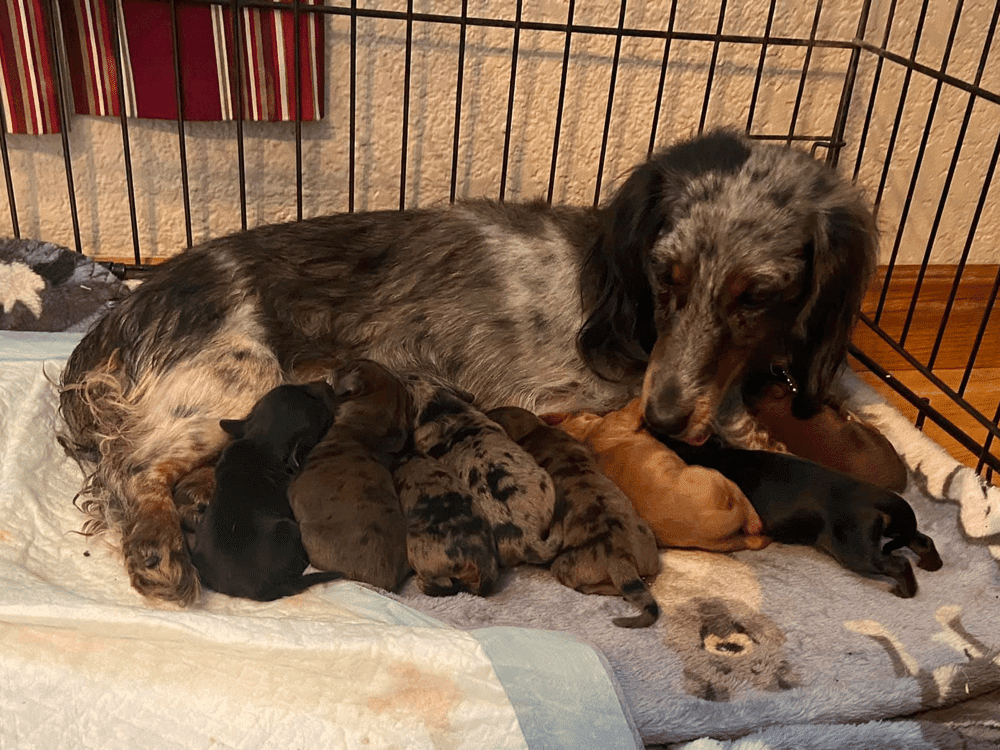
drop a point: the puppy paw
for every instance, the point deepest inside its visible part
(158, 564)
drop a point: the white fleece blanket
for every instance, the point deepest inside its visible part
(86, 662)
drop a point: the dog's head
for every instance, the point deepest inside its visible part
(375, 401)
(290, 419)
(722, 255)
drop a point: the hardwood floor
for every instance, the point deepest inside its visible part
(982, 391)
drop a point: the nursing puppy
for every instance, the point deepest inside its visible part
(801, 502)
(606, 547)
(686, 506)
(831, 439)
(509, 489)
(246, 542)
(450, 548)
(344, 499)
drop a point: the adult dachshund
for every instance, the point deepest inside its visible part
(715, 257)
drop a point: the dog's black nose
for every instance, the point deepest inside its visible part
(662, 415)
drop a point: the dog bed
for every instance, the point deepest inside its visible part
(779, 648)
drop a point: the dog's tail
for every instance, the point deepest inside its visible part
(634, 590)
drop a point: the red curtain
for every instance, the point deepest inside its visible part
(207, 52)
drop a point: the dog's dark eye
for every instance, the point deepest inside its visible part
(754, 299)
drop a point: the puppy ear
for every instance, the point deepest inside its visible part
(843, 255)
(235, 428)
(620, 332)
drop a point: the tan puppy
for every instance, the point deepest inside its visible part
(686, 506)
(606, 547)
(830, 439)
(344, 499)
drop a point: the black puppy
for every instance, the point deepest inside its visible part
(247, 542)
(801, 502)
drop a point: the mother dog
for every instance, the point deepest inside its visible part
(716, 258)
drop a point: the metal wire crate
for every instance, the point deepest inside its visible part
(442, 99)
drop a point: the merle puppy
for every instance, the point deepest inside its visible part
(450, 548)
(606, 547)
(510, 491)
(344, 499)
(247, 543)
(801, 502)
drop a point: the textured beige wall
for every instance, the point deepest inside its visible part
(99, 174)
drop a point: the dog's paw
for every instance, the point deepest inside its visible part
(158, 564)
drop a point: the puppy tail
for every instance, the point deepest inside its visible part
(634, 590)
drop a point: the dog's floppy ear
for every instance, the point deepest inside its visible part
(842, 257)
(619, 333)
(235, 428)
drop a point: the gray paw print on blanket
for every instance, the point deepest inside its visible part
(725, 646)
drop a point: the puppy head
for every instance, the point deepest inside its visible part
(373, 399)
(750, 252)
(291, 419)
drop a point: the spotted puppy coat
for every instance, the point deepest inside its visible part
(606, 547)
(509, 490)
(246, 543)
(450, 548)
(344, 499)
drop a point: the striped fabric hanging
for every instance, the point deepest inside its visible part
(207, 52)
(28, 87)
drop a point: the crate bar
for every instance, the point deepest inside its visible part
(912, 189)
(953, 293)
(562, 101)
(844, 106)
(510, 101)
(861, 45)
(407, 71)
(983, 325)
(910, 64)
(890, 150)
(463, 29)
(616, 61)
(297, 44)
(918, 366)
(760, 65)
(714, 60)
(178, 92)
(57, 64)
(352, 135)
(926, 410)
(985, 455)
(118, 27)
(502, 23)
(235, 6)
(8, 178)
(805, 72)
(663, 79)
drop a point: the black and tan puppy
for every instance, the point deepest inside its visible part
(246, 543)
(450, 548)
(510, 491)
(344, 498)
(801, 502)
(606, 547)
